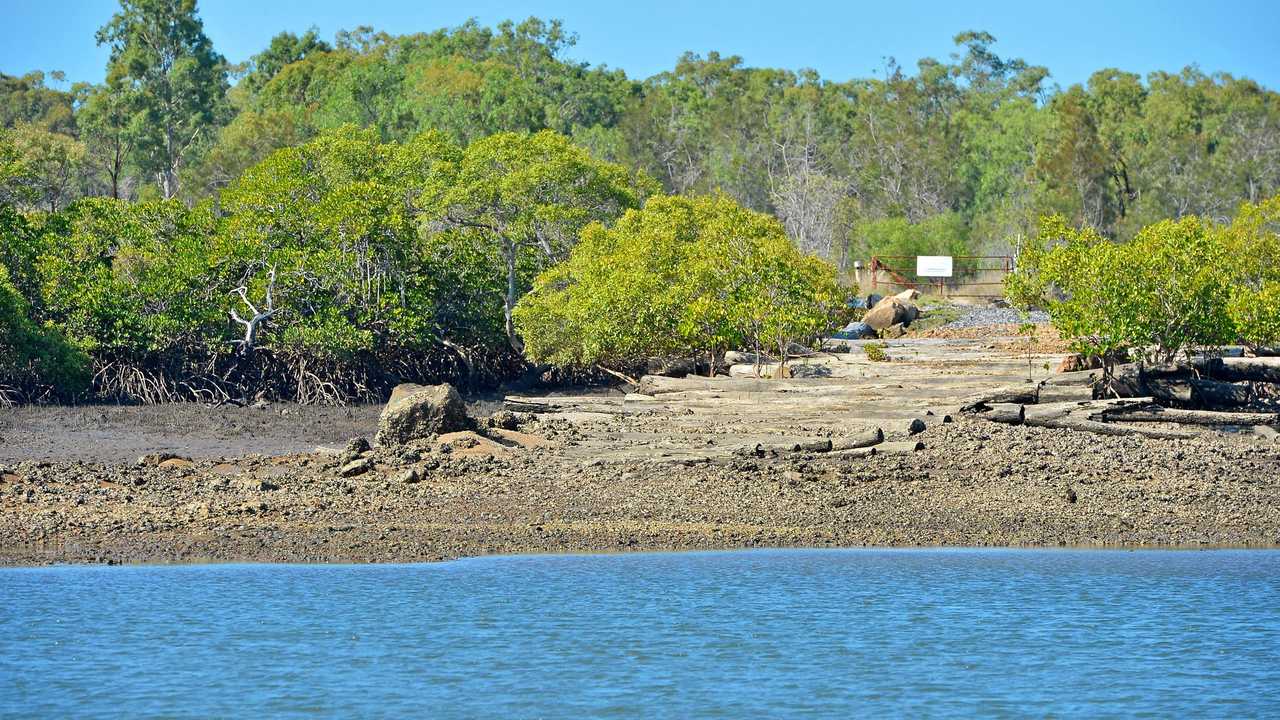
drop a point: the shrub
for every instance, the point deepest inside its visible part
(681, 277)
(36, 363)
(1177, 286)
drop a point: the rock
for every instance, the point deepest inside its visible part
(855, 331)
(356, 467)
(916, 427)
(908, 295)
(154, 459)
(358, 445)
(504, 420)
(224, 470)
(415, 411)
(893, 332)
(256, 484)
(1071, 495)
(524, 440)
(176, 464)
(891, 311)
(1000, 303)
(409, 477)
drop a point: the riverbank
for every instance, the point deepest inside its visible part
(973, 484)
(675, 471)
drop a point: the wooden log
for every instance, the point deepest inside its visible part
(1101, 428)
(867, 439)
(899, 448)
(1036, 414)
(1169, 389)
(821, 446)
(1020, 395)
(853, 452)
(1190, 417)
(1182, 369)
(764, 449)
(1007, 413)
(1217, 394)
(1259, 369)
(554, 404)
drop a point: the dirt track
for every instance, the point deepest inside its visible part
(671, 472)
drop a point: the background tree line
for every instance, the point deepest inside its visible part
(960, 156)
(328, 219)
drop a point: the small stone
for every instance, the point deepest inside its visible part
(504, 420)
(1071, 495)
(358, 445)
(356, 467)
(257, 484)
(409, 477)
(154, 459)
(916, 427)
(176, 464)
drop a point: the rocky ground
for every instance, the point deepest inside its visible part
(668, 473)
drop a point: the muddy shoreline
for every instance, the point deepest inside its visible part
(668, 472)
(974, 484)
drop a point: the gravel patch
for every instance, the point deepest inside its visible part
(983, 316)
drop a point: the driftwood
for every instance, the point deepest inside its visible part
(1082, 417)
(854, 452)
(1216, 394)
(563, 403)
(1258, 369)
(1190, 417)
(1020, 395)
(1007, 413)
(899, 448)
(855, 442)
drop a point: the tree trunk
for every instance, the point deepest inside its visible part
(509, 302)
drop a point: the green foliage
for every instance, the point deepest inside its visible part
(525, 199)
(35, 362)
(876, 352)
(162, 59)
(944, 234)
(1256, 314)
(682, 276)
(1178, 285)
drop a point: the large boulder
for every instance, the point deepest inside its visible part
(419, 411)
(891, 311)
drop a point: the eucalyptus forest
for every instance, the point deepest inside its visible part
(329, 219)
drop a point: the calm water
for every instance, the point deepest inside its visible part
(947, 633)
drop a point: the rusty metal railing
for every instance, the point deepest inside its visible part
(966, 266)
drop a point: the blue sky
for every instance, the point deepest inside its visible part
(840, 39)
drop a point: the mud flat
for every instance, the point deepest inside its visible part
(695, 463)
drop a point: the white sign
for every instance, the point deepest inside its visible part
(933, 266)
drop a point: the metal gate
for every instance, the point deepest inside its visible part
(976, 276)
